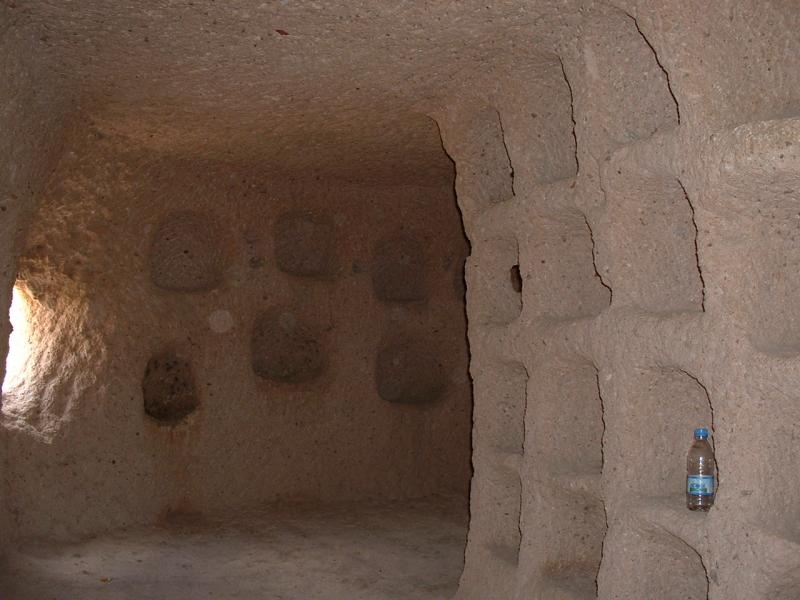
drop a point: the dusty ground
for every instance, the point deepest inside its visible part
(350, 552)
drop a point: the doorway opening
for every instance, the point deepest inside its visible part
(274, 363)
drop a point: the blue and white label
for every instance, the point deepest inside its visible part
(700, 485)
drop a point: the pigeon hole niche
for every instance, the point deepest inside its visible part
(628, 177)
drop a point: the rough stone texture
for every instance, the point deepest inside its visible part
(304, 245)
(284, 349)
(638, 162)
(168, 388)
(654, 287)
(34, 101)
(400, 270)
(186, 254)
(488, 164)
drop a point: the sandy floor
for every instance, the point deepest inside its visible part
(403, 551)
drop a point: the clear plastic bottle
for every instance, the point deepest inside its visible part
(701, 479)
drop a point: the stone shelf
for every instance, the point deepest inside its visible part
(568, 338)
(554, 197)
(498, 219)
(675, 338)
(657, 545)
(761, 151)
(662, 406)
(656, 155)
(575, 587)
(670, 514)
(505, 553)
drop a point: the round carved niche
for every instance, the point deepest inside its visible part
(186, 254)
(169, 389)
(285, 349)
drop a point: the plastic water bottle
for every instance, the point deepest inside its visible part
(701, 481)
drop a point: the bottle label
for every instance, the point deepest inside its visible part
(700, 485)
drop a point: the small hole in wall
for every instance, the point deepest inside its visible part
(19, 342)
(516, 279)
(495, 269)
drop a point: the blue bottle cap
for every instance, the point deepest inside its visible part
(701, 433)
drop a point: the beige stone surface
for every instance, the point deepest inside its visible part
(360, 551)
(626, 173)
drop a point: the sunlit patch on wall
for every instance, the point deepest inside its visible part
(19, 342)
